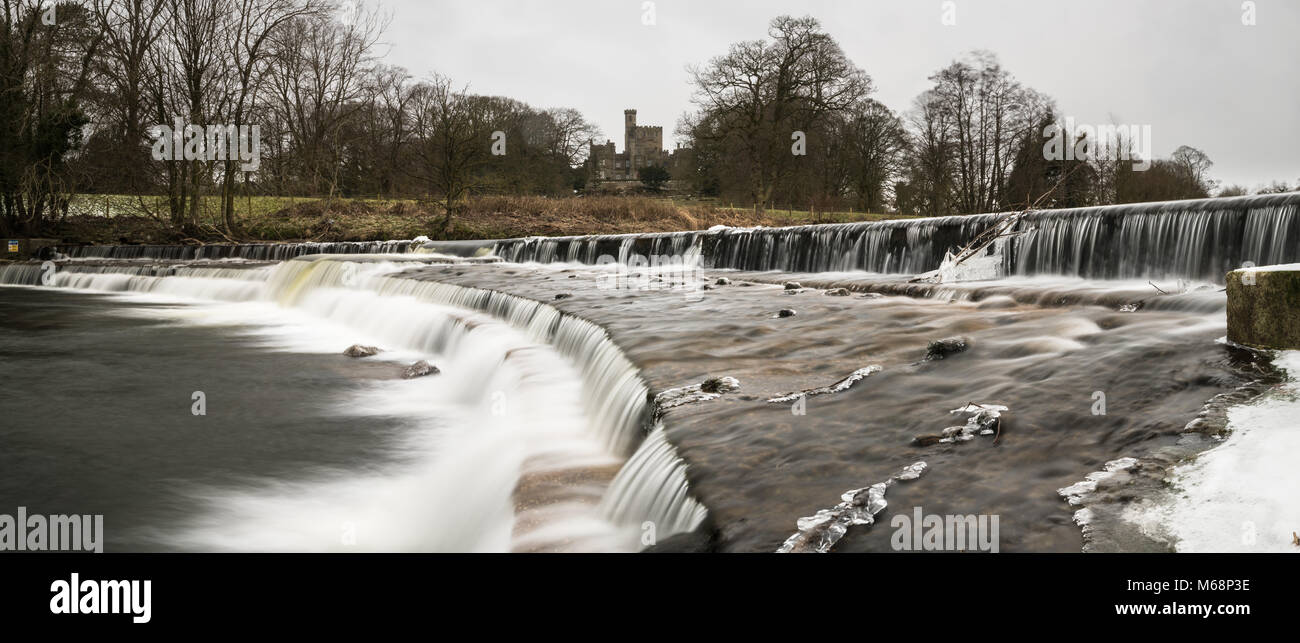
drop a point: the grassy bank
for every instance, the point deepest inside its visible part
(127, 219)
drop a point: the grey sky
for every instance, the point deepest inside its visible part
(1188, 68)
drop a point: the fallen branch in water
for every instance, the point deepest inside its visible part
(1001, 228)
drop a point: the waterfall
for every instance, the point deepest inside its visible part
(616, 400)
(250, 251)
(1199, 239)
(589, 249)
(371, 296)
(653, 485)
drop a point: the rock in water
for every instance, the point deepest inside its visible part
(357, 350)
(793, 285)
(942, 348)
(785, 312)
(837, 292)
(419, 369)
(720, 385)
(722, 281)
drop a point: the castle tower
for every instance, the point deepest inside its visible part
(629, 139)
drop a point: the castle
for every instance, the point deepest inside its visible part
(643, 146)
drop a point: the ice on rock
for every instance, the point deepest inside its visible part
(983, 420)
(876, 498)
(809, 522)
(819, 532)
(912, 471)
(837, 387)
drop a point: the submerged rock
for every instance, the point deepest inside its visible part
(711, 389)
(419, 369)
(941, 348)
(357, 351)
(563, 295)
(720, 385)
(785, 312)
(793, 285)
(838, 292)
(722, 281)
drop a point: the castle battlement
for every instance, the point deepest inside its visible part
(643, 146)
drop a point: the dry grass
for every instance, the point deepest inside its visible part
(107, 219)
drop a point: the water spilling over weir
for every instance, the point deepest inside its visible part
(1199, 239)
(503, 351)
(583, 461)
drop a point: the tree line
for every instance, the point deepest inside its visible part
(975, 141)
(87, 87)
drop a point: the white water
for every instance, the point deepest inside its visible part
(524, 391)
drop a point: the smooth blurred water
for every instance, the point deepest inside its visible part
(97, 413)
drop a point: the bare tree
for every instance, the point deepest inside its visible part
(875, 142)
(130, 29)
(753, 99)
(1195, 165)
(452, 141)
(321, 79)
(247, 34)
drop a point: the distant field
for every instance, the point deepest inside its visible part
(804, 217)
(129, 219)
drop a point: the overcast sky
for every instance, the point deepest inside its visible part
(1188, 68)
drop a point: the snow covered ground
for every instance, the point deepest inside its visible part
(1241, 496)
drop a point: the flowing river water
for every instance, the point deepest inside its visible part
(567, 415)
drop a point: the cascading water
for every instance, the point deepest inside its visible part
(1197, 239)
(252, 251)
(578, 405)
(581, 461)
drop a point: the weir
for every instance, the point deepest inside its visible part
(250, 251)
(362, 285)
(651, 486)
(1199, 239)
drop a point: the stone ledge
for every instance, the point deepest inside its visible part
(1264, 307)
